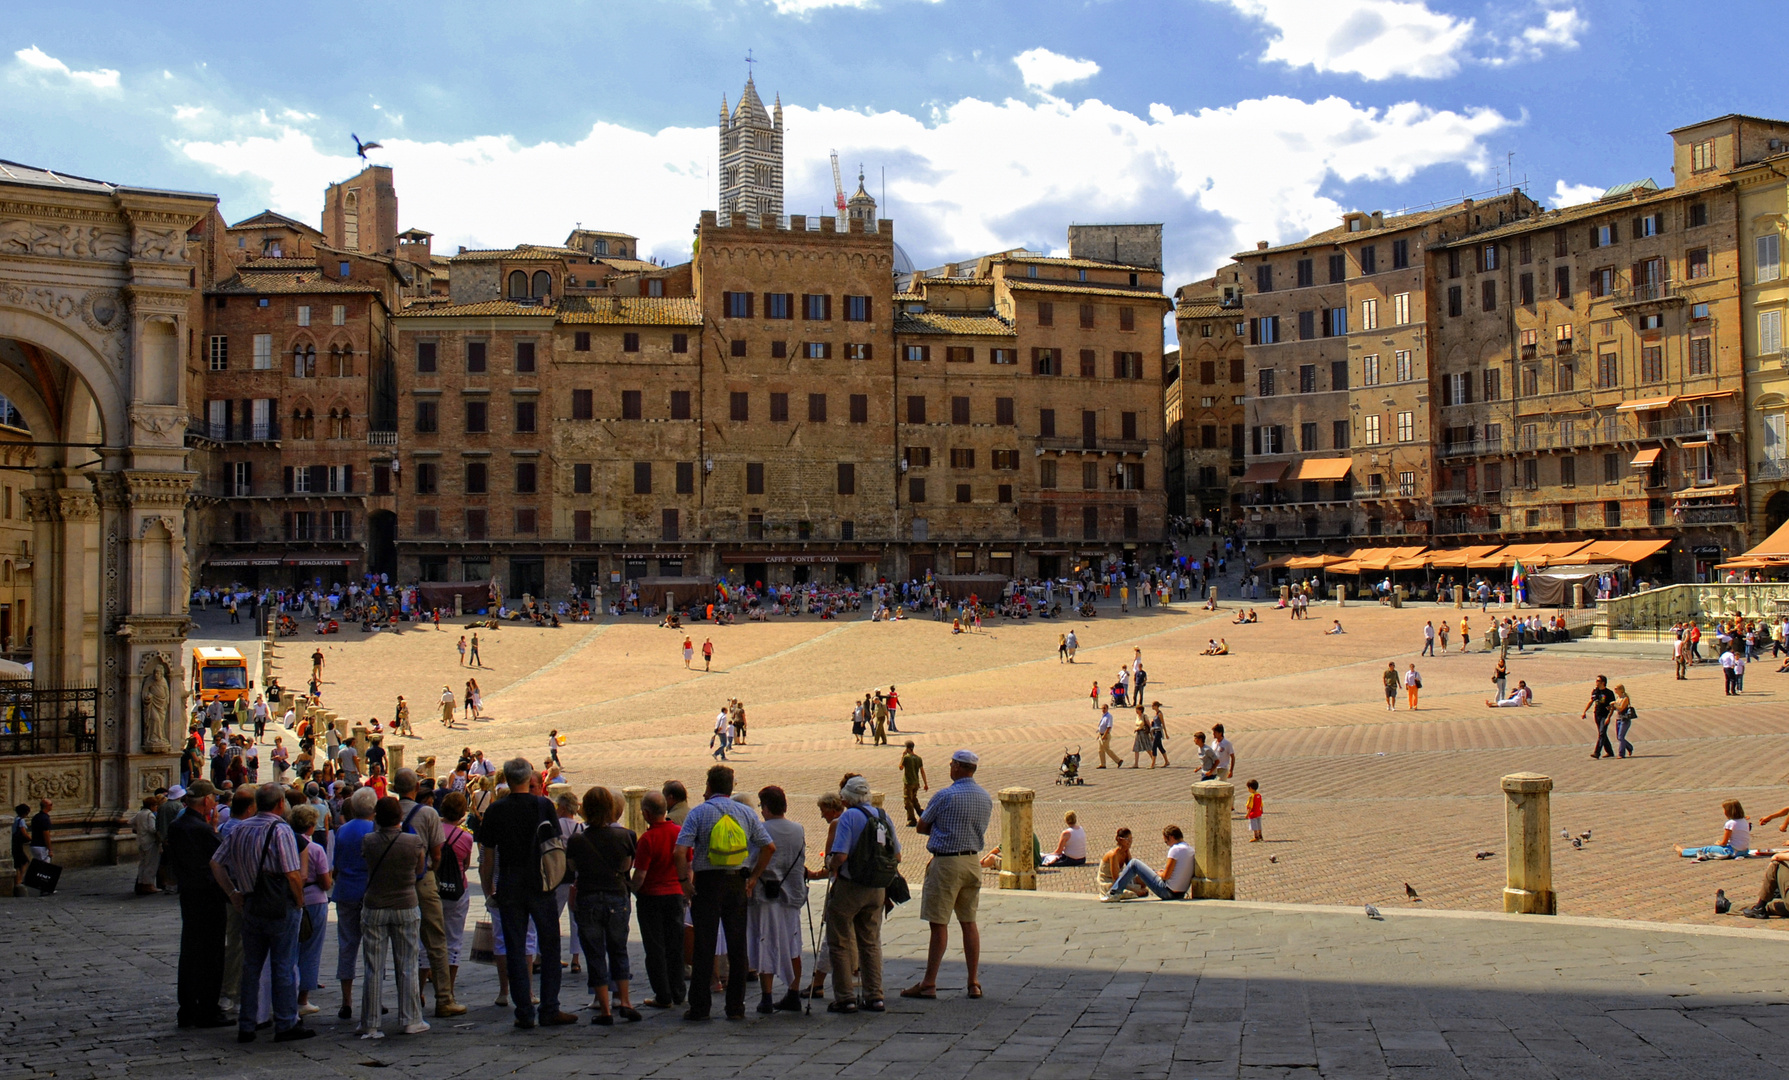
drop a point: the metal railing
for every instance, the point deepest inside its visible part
(1472, 447)
(47, 719)
(262, 431)
(1647, 292)
(1116, 446)
(1678, 426)
(1771, 469)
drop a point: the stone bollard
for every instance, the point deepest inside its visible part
(1341, 595)
(1214, 596)
(1528, 828)
(458, 608)
(635, 818)
(556, 790)
(1016, 869)
(1578, 595)
(1285, 594)
(1459, 597)
(1212, 876)
(289, 703)
(394, 757)
(358, 738)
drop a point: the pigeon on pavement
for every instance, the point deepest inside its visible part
(1373, 912)
(1484, 854)
(1721, 904)
(1411, 893)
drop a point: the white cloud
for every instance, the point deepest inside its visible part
(42, 63)
(1375, 39)
(296, 117)
(1045, 70)
(1558, 30)
(184, 113)
(1565, 194)
(804, 8)
(1386, 39)
(967, 180)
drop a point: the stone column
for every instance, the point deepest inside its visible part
(1341, 595)
(1214, 596)
(1578, 595)
(394, 757)
(1016, 869)
(635, 819)
(1459, 597)
(358, 738)
(1212, 876)
(1285, 594)
(1528, 827)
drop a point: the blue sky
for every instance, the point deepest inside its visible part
(998, 123)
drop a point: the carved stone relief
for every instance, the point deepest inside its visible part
(63, 784)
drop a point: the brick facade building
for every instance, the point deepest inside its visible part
(1203, 394)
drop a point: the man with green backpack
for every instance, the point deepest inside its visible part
(722, 850)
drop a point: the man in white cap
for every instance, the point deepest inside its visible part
(954, 825)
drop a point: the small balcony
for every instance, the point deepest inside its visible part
(1675, 427)
(260, 431)
(1455, 498)
(382, 438)
(1095, 445)
(1771, 469)
(1472, 448)
(1647, 293)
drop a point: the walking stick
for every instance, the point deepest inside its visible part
(807, 997)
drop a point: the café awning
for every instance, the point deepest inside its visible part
(1715, 491)
(1645, 404)
(1646, 458)
(1322, 469)
(1264, 472)
(1621, 551)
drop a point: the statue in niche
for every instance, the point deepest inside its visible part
(155, 707)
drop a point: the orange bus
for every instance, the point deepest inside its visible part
(219, 675)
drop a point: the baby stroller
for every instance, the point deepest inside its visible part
(1070, 770)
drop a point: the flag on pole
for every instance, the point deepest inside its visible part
(1518, 581)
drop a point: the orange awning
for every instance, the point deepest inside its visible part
(1710, 394)
(1645, 458)
(1322, 469)
(1264, 472)
(1645, 405)
(1620, 551)
(1722, 491)
(1460, 558)
(1777, 543)
(1313, 562)
(1274, 563)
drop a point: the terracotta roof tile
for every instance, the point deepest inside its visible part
(262, 277)
(483, 308)
(1072, 264)
(935, 322)
(1087, 287)
(520, 251)
(631, 310)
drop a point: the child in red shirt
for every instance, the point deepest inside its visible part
(1254, 811)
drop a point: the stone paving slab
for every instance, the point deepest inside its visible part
(1075, 990)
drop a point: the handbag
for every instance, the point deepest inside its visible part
(42, 876)
(271, 895)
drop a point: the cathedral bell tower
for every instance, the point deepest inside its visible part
(752, 157)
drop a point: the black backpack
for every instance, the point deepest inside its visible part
(873, 863)
(450, 876)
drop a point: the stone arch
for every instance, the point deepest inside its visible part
(82, 355)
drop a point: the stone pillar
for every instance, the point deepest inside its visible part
(1214, 596)
(635, 819)
(1285, 594)
(288, 702)
(1578, 595)
(1459, 597)
(1212, 876)
(1341, 592)
(1016, 869)
(457, 608)
(394, 757)
(358, 738)
(1528, 828)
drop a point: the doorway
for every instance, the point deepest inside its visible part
(382, 543)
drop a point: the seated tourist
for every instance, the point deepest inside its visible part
(1112, 864)
(1336, 629)
(1223, 648)
(1736, 837)
(1172, 884)
(1071, 848)
(1519, 697)
(1211, 647)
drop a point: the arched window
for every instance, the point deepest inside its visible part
(346, 429)
(351, 221)
(298, 423)
(729, 177)
(344, 362)
(518, 284)
(543, 283)
(304, 361)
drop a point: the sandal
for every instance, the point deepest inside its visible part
(974, 990)
(628, 1013)
(921, 990)
(878, 1005)
(841, 1006)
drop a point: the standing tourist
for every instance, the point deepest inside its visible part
(603, 855)
(955, 824)
(1073, 644)
(1390, 678)
(401, 718)
(1226, 753)
(462, 648)
(689, 652)
(1428, 639)
(707, 653)
(773, 916)
(509, 868)
(41, 826)
(1141, 742)
(1624, 719)
(149, 845)
(199, 980)
(659, 903)
(913, 779)
(1413, 683)
(472, 655)
(451, 880)
(717, 843)
(350, 889)
(316, 904)
(257, 867)
(447, 703)
(863, 858)
(425, 822)
(395, 861)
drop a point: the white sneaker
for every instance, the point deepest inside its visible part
(307, 1009)
(373, 1034)
(1110, 898)
(417, 1028)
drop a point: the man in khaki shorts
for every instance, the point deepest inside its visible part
(954, 825)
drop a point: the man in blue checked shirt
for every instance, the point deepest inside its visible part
(954, 825)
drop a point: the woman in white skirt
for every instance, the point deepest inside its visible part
(773, 918)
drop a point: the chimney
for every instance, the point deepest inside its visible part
(1260, 245)
(1378, 219)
